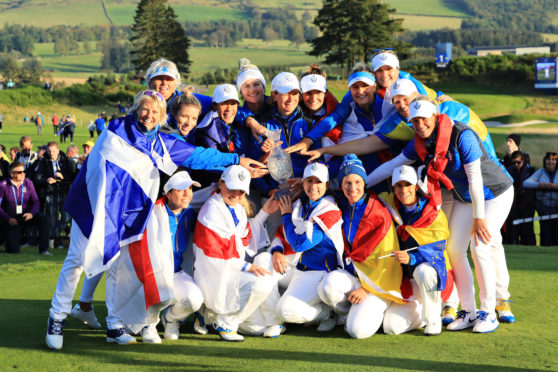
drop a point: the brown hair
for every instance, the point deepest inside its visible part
(314, 69)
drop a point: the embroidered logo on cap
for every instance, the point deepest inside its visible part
(313, 78)
(383, 56)
(241, 176)
(227, 89)
(396, 85)
(288, 77)
(417, 105)
(315, 167)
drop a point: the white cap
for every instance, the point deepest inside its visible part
(385, 59)
(284, 82)
(423, 109)
(317, 170)
(403, 87)
(313, 82)
(179, 181)
(404, 173)
(162, 71)
(249, 72)
(237, 177)
(225, 92)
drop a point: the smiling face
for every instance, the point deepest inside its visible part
(353, 187)
(550, 164)
(402, 103)
(231, 197)
(424, 127)
(386, 76)
(17, 174)
(149, 114)
(163, 84)
(288, 102)
(187, 118)
(314, 188)
(253, 91)
(313, 100)
(406, 192)
(227, 110)
(363, 94)
(179, 199)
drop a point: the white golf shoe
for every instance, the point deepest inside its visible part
(86, 317)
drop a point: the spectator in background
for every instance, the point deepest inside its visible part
(73, 156)
(26, 118)
(39, 123)
(523, 204)
(91, 128)
(69, 128)
(4, 164)
(55, 121)
(19, 208)
(113, 117)
(13, 152)
(1, 121)
(100, 123)
(3, 154)
(513, 141)
(53, 178)
(547, 201)
(27, 156)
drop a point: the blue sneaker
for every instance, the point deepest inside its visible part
(504, 311)
(120, 337)
(54, 337)
(227, 334)
(448, 315)
(464, 320)
(486, 322)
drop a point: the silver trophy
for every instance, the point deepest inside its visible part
(279, 164)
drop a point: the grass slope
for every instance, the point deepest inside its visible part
(28, 282)
(427, 7)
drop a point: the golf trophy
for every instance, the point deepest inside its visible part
(279, 164)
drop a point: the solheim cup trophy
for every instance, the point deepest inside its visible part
(279, 164)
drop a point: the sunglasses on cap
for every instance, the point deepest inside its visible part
(151, 93)
(382, 50)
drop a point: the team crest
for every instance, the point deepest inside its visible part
(383, 56)
(315, 167)
(227, 89)
(396, 85)
(313, 78)
(241, 176)
(288, 77)
(416, 105)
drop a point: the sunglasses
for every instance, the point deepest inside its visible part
(381, 50)
(152, 93)
(18, 172)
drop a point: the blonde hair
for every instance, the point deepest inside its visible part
(144, 96)
(187, 98)
(361, 66)
(249, 207)
(426, 98)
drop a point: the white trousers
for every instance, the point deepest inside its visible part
(89, 286)
(489, 259)
(258, 300)
(68, 280)
(188, 297)
(301, 303)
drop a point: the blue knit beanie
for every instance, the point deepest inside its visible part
(351, 165)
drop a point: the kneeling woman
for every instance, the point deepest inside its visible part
(233, 289)
(369, 287)
(422, 230)
(312, 229)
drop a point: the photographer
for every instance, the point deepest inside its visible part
(53, 178)
(19, 208)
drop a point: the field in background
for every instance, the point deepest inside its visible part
(528, 344)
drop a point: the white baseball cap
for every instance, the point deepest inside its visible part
(404, 173)
(163, 71)
(317, 170)
(423, 109)
(385, 59)
(237, 177)
(179, 181)
(403, 87)
(284, 82)
(313, 82)
(225, 92)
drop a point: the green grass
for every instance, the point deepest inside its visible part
(56, 13)
(28, 282)
(550, 37)
(426, 7)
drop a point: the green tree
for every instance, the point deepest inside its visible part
(156, 33)
(9, 67)
(352, 29)
(32, 70)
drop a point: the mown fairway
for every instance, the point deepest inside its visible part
(28, 282)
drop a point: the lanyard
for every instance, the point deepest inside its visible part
(15, 195)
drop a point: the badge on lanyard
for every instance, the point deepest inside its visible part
(19, 209)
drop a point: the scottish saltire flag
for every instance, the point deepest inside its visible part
(144, 284)
(115, 190)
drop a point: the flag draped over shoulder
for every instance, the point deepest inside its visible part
(144, 284)
(431, 232)
(115, 190)
(376, 237)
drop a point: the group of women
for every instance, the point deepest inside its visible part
(343, 246)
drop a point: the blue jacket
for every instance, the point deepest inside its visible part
(181, 226)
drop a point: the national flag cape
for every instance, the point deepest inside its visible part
(326, 215)
(144, 284)
(430, 231)
(116, 188)
(219, 249)
(376, 237)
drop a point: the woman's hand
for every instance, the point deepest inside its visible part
(279, 262)
(402, 257)
(256, 128)
(313, 154)
(258, 271)
(480, 231)
(285, 204)
(358, 295)
(255, 168)
(267, 145)
(302, 146)
(271, 205)
(444, 98)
